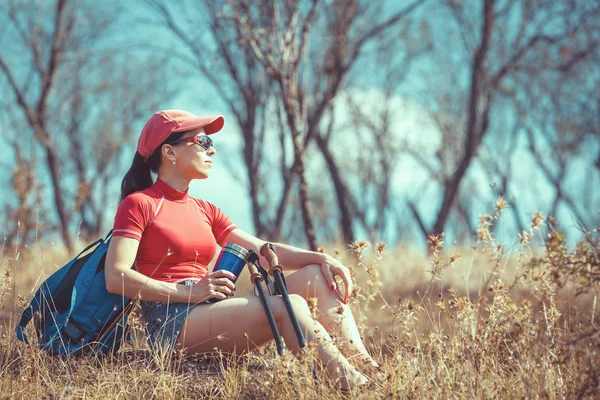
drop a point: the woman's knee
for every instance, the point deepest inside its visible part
(299, 303)
(308, 281)
(312, 270)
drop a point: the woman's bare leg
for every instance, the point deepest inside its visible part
(332, 313)
(240, 325)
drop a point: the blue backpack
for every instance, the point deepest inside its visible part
(74, 313)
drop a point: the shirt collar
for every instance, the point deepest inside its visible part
(170, 192)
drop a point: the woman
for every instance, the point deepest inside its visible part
(171, 237)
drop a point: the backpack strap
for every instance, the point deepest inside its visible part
(25, 318)
(40, 296)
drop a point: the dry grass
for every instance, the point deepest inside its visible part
(488, 323)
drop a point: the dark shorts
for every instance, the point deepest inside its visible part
(164, 320)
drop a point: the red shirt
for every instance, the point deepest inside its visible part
(178, 234)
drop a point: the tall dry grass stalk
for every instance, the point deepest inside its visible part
(490, 322)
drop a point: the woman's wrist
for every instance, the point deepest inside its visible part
(293, 258)
(319, 258)
(181, 293)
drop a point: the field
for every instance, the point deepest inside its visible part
(489, 322)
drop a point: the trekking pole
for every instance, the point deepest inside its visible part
(257, 279)
(276, 270)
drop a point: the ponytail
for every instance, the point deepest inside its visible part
(139, 177)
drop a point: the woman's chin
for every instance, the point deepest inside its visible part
(199, 172)
(202, 175)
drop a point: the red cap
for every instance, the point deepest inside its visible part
(163, 123)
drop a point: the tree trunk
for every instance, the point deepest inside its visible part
(53, 166)
(309, 228)
(254, 183)
(476, 124)
(291, 104)
(341, 191)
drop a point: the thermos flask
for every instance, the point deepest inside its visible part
(233, 259)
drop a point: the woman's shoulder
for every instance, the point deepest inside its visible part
(206, 206)
(142, 198)
(199, 201)
(202, 204)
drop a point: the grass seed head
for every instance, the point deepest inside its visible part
(537, 220)
(455, 256)
(435, 242)
(501, 204)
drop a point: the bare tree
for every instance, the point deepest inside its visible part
(280, 52)
(497, 161)
(371, 128)
(238, 80)
(76, 100)
(25, 222)
(277, 37)
(304, 103)
(376, 163)
(563, 132)
(510, 44)
(478, 110)
(283, 65)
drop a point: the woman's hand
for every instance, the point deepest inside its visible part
(332, 268)
(216, 285)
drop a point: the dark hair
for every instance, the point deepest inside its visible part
(138, 177)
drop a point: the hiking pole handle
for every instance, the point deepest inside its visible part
(254, 274)
(268, 252)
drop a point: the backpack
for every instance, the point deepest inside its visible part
(75, 314)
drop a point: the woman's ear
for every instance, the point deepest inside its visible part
(168, 151)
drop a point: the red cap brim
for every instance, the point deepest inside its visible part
(211, 124)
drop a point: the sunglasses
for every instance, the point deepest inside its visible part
(201, 140)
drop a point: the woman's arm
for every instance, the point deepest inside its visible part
(294, 258)
(121, 279)
(291, 258)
